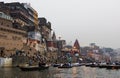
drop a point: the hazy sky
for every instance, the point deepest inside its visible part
(89, 21)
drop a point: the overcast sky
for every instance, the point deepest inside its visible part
(89, 21)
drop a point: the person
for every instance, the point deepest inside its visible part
(70, 60)
(30, 62)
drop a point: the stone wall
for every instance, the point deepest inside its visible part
(10, 38)
(20, 60)
(4, 22)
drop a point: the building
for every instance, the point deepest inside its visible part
(34, 40)
(45, 29)
(23, 14)
(76, 47)
(17, 19)
(10, 37)
(20, 29)
(4, 8)
(26, 18)
(54, 42)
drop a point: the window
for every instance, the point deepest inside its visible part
(34, 45)
(1, 23)
(7, 25)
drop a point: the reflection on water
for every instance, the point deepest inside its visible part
(75, 72)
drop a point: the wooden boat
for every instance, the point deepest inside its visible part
(76, 64)
(65, 66)
(56, 65)
(33, 68)
(113, 67)
(102, 66)
(109, 66)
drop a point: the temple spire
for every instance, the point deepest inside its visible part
(76, 45)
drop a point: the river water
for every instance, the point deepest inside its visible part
(52, 72)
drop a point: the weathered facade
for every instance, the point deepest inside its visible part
(23, 14)
(10, 38)
(34, 40)
(45, 30)
(22, 33)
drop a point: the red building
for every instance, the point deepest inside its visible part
(76, 46)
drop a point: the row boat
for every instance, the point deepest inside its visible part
(66, 65)
(33, 68)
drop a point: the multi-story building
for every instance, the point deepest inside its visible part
(10, 38)
(4, 8)
(15, 19)
(25, 18)
(45, 29)
(19, 25)
(23, 14)
(34, 40)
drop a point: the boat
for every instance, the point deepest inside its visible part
(113, 67)
(56, 65)
(76, 64)
(66, 65)
(33, 68)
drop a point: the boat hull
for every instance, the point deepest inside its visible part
(56, 65)
(33, 68)
(65, 67)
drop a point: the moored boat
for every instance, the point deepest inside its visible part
(56, 65)
(113, 67)
(65, 66)
(33, 68)
(76, 64)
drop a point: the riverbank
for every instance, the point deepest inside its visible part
(75, 72)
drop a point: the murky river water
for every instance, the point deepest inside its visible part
(75, 72)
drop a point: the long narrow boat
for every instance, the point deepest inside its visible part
(113, 67)
(33, 68)
(56, 65)
(65, 66)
